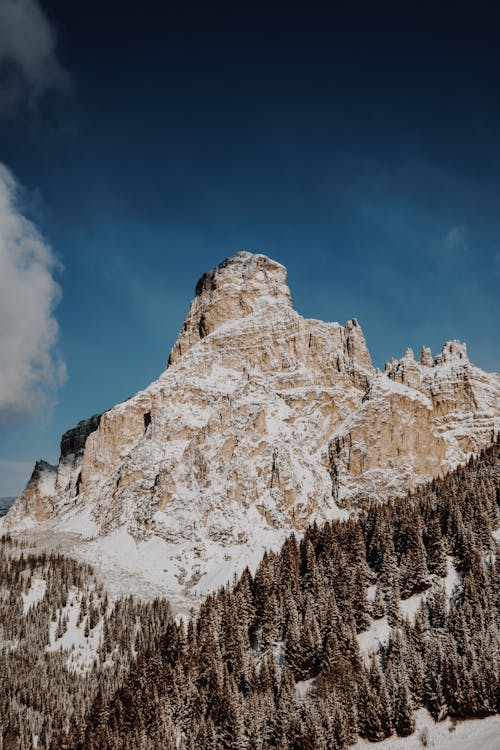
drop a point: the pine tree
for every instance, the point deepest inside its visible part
(404, 721)
(436, 553)
(369, 711)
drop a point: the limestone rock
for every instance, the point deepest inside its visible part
(262, 422)
(426, 357)
(73, 441)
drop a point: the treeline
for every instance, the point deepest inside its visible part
(273, 661)
(44, 685)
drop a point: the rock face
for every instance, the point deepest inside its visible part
(262, 422)
(73, 441)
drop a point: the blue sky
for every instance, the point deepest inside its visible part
(359, 146)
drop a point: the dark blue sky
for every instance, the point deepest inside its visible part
(357, 144)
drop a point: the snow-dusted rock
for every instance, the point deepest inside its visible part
(262, 422)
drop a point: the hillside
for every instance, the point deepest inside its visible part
(286, 659)
(384, 616)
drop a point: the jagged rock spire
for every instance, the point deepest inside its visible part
(242, 285)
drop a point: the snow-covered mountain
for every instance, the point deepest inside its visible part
(262, 422)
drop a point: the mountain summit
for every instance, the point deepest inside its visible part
(262, 422)
(238, 287)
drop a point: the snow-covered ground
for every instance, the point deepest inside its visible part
(408, 607)
(183, 573)
(378, 633)
(370, 640)
(473, 734)
(35, 594)
(81, 649)
(452, 578)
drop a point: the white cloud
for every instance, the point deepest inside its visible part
(29, 66)
(29, 366)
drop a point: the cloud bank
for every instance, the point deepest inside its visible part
(29, 66)
(29, 366)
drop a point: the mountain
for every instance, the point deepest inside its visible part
(5, 504)
(262, 423)
(337, 635)
(345, 634)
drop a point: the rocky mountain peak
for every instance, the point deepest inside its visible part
(73, 441)
(242, 285)
(412, 373)
(453, 351)
(426, 357)
(264, 422)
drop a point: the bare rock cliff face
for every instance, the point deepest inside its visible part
(262, 422)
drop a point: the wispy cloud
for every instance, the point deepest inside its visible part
(455, 242)
(29, 66)
(29, 365)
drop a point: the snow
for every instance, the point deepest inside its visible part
(452, 579)
(184, 572)
(35, 594)
(24, 524)
(473, 734)
(221, 380)
(279, 653)
(403, 390)
(408, 607)
(378, 633)
(304, 687)
(47, 480)
(82, 650)
(80, 523)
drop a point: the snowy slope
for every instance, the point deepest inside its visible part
(474, 734)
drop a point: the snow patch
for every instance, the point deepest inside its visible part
(82, 649)
(80, 523)
(452, 579)
(473, 734)
(35, 594)
(403, 390)
(304, 687)
(408, 607)
(370, 640)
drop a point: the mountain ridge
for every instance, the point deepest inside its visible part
(262, 422)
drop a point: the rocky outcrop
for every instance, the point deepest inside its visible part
(73, 441)
(262, 422)
(239, 287)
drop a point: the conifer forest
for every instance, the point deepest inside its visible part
(280, 659)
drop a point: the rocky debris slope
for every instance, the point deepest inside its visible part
(262, 422)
